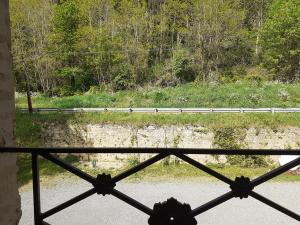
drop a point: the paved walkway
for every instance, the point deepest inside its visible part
(99, 210)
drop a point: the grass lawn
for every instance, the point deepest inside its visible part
(154, 173)
(184, 96)
(47, 168)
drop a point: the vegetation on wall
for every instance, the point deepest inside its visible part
(229, 137)
(227, 129)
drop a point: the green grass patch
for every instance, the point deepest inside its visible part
(28, 126)
(155, 172)
(27, 130)
(47, 169)
(189, 95)
(183, 171)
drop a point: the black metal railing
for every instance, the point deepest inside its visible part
(170, 212)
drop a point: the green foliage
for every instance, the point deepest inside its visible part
(123, 79)
(229, 138)
(240, 94)
(281, 40)
(233, 138)
(181, 66)
(30, 28)
(47, 168)
(66, 21)
(68, 72)
(160, 96)
(252, 161)
(26, 136)
(72, 46)
(28, 132)
(258, 75)
(75, 76)
(97, 89)
(233, 74)
(133, 161)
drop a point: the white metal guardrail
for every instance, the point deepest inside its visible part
(168, 110)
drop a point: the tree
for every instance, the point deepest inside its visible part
(255, 13)
(218, 38)
(131, 33)
(281, 40)
(70, 45)
(30, 31)
(65, 37)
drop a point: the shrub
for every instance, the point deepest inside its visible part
(255, 98)
(233, 74)
(93, 90)
(258, 75)
(232, 138)
(280, 39)
(123, 80)
(160, 96)
(133, 161)
(181, 66)
(284, 95)
(168, 80)
(65, 91)
(177, 70)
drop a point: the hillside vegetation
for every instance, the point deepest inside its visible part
(68, 47)
(155, 53)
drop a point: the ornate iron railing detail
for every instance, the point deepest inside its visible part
(171, 212)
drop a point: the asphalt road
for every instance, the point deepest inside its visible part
(99, 210)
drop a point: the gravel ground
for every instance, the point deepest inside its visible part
(99, 210)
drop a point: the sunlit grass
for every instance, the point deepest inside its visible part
(154, 173)
(46, 168)
(188, 95)
(28, 126)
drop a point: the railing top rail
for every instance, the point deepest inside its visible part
(199, 151)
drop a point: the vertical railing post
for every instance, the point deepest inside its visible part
(36, 189)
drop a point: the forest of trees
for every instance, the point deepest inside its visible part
(71, 46)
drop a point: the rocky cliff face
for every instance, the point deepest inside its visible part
(96, 135)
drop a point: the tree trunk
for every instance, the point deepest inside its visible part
(10, 207)
(260, 23)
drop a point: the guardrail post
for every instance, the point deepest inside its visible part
(36, 189)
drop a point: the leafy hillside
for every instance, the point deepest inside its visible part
(74, 46)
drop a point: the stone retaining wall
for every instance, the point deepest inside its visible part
(96, 135)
